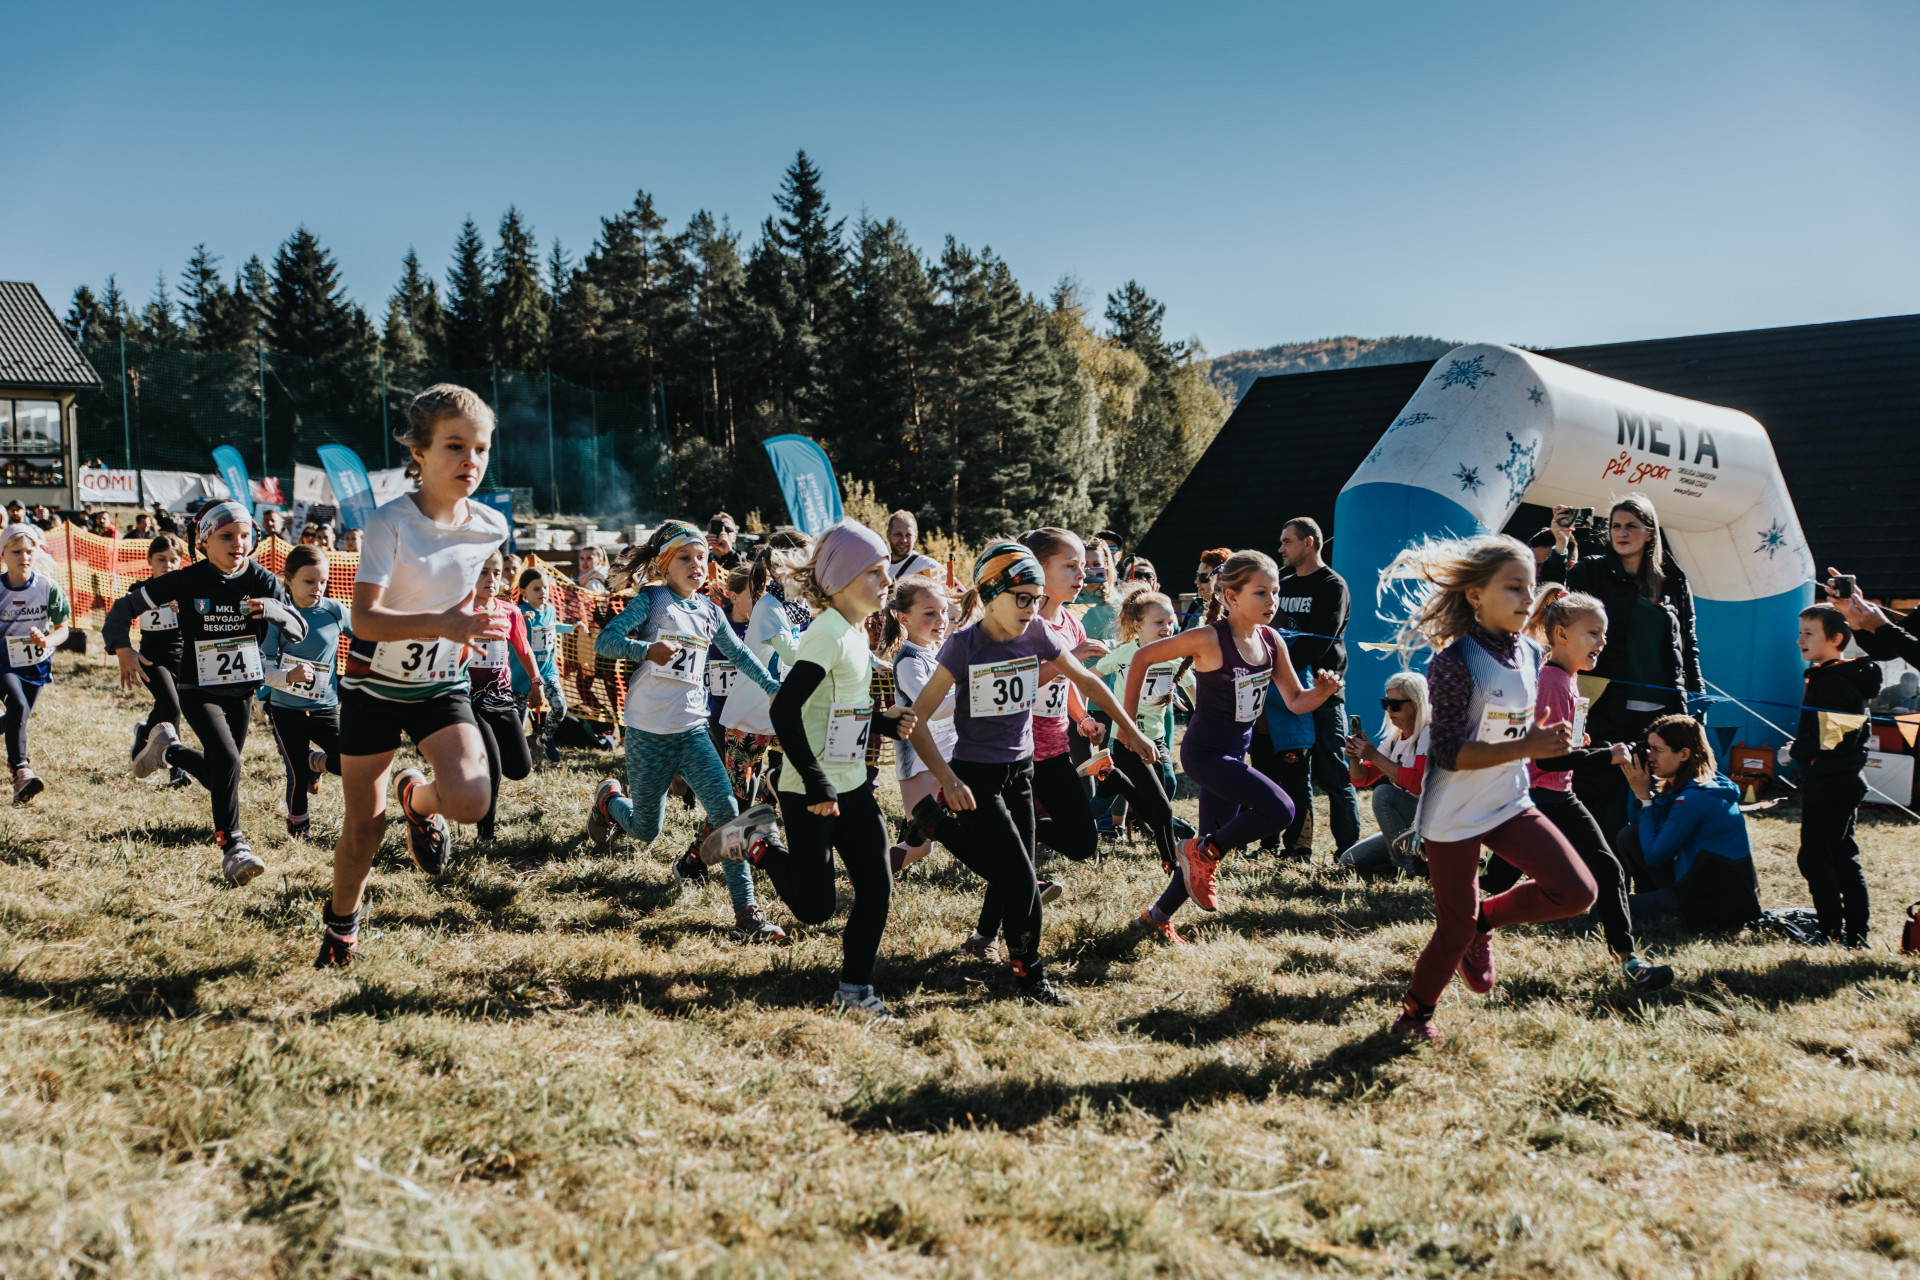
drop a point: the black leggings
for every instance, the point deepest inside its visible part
(995, 839)
(1564, 810)
(295, 731)
(1068, 827)
(803, 873)
(220, 722)
(1830, 855)
(19, 697)
(166, 698)
(508, 755)
(1138, 783)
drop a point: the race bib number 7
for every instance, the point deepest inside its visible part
(1505, 724)
(234, 661)
(1002, 688)
(417, 661)
(689, 660)
(1156, 689)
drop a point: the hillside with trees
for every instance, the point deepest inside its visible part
(935, 378)
(1233, 373)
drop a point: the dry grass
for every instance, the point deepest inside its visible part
(553, 1064)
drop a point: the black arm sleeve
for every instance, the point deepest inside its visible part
(791, 727)
(1890, 640)
(885, 725)
(115, 631)
(1574, 759)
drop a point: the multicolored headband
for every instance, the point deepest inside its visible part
(220, 515)
(679, 534)
(1005, 565)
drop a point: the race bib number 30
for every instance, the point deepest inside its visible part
(1002, 688)
(1053, 701)
(1505, 724)
(848, 724)
(1250, 695)
(23, 652)
(417, 661)
(228, 661)
(689, 660)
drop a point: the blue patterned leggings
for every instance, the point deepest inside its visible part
(653, 761)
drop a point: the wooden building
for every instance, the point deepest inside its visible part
(41, 372)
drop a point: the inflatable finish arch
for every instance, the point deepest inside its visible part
(1493, 426)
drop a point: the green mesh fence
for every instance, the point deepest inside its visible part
(577, 450)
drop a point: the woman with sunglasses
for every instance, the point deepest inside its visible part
(1395, 770)
(999, 666)
(1196, 612)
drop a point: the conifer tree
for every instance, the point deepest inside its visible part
(87, 320)
(516, 304)
(466, 309)
(415, 329)
(203, 294)
(879, 398)
(161, 325)
(797, 273)
(308, 312)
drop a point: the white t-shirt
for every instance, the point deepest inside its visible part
(912, 668)
(423, 567)
(770, 633)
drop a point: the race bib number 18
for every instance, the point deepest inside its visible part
(1002, 688)
(23, 652)
(417, 661)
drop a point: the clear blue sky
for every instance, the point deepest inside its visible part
(1532, 173)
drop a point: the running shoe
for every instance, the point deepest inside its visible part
(1050, 891)
(751, 926)
(1037, 988)
(600, 823)
(925, 820)
(139, 738)
(1198, 862)
(238, 862)
(863, 1002)
(897, 859)
(763, 844)
(317, 766)
(979, 946)
(1413, 1025)
(26, 784)
(689, 870)
(298, 827)
(1162, 930)
(552, 752)
(733, 839)
(154, 753)
(1476, 967)
(336, 953)
(483, 831)
(1648, 977)
(429, 842)
(178, 777)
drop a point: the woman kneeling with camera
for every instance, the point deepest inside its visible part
(1687, 833)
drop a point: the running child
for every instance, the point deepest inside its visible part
(1484, 686)
(33, 621)
(305, 714)
(1233, 663)
(160, 646)
(825, 714)
(414, 623)
(917, 618)
(496, 712)
(225, 604)
(987, 820)
(543, 632)
(1573, 627)
(665, 631)
(774, 626)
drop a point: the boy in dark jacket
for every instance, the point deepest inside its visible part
(1830, 761)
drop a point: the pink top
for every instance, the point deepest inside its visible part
(1050, 733)
(1557, 693)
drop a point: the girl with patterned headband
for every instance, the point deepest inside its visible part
(999, 664)
(33, 622)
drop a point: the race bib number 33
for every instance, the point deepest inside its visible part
(1053, 701)
(1002, 688)
(417, 661)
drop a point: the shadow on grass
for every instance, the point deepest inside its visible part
(1010, 1103)
(1246, 1008)
(1802, 978)
(123, 999)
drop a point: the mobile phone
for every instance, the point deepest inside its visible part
(1843, 586)
(1097, 573)
(1353, 726)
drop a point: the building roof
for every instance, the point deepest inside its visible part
(35, 351)
(1840, 401)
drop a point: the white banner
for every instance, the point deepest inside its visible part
(310, 485)
(116, 488)
(178, 490)
(388, 485)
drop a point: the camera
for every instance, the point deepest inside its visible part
(1097, 573)
(1843, 586)
(1577, 518)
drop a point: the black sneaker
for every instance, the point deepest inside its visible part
(926, 819)
(751, 926)
(178, 777)
(689, 870)
(483, 830)
(1650, 977)
(336, 952)
(1041, 991)
(1050, 891)
(429, 842)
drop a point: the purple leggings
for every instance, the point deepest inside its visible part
(1238, 805)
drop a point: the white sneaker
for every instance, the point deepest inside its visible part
(600, 827)
(26, 784)
(239, 863)
(154, 754)
(734, 839)
(866, 1002)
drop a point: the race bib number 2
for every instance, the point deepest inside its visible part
(160, 618)
(417, 661)
(1002, 688)
(228, 661)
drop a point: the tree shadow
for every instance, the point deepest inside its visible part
(1803, 978)
(122, 998)
(1247, 1007)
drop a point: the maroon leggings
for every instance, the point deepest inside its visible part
(1558, 885)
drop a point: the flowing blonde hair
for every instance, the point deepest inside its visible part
(1452, 567)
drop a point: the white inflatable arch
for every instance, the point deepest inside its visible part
(1493, 427)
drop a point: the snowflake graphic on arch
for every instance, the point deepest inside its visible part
(1466, 373)
(1469, 478)
(1519, 467)
(1412, 420)
(1772, 538)
(1535, 394)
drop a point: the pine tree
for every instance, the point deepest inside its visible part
(466, 310)
(161, 326)
(200, 292)
(516, 304)
(87, 320)
(415, 332)
(308, 312)
(879, 394)
(625, 306)
(798, 274)
(1174, 417)
(559, 271)
(251, 294)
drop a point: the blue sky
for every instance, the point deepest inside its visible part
(1547, 174)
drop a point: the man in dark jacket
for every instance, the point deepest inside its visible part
(1313, 606)
(1830, 752)
(1880, 634)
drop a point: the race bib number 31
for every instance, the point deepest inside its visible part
(228, 661)
(417, 661)
(1002, 688)
(1505, 724)
(689, 660)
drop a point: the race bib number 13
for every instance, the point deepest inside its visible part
(721, 677)
(1002, 688)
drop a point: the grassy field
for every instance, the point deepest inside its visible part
(556, 1064)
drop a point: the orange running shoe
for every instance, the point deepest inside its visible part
(1198, 862)
(1165, 932)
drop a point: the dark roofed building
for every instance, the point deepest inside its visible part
(1840, 401)
(41, 371)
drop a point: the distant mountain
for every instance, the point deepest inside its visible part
(1234, 373)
